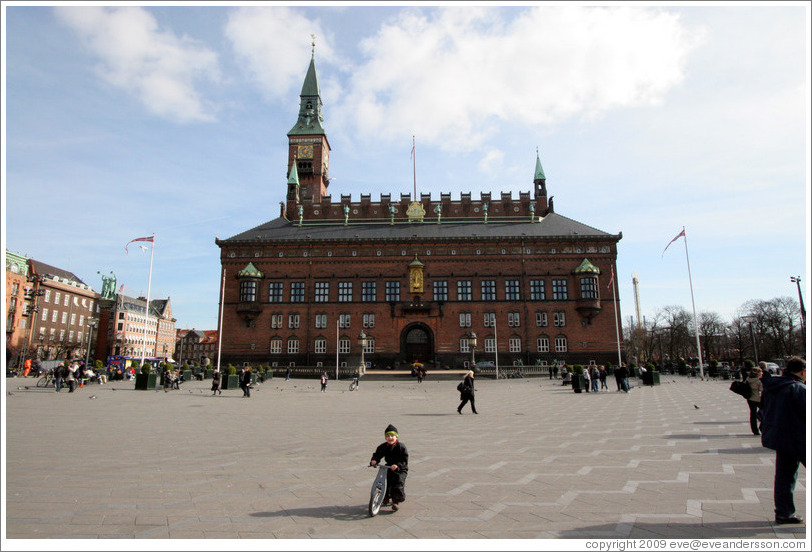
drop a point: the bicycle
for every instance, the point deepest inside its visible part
(354, 384)
(47, 380)
(378, 491)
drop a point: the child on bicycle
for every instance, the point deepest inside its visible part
(396, 455)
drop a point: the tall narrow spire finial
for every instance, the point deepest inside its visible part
(313, 44)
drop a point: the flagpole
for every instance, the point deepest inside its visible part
(414, 168)
(220, 325)
(496, 347)
(617, 323)
(693, 306)
(337, 322)
(149, 286)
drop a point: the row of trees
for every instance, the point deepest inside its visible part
(759, 330)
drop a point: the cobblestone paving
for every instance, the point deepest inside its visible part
(538, 462)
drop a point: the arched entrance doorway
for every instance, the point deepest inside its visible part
(417, 343)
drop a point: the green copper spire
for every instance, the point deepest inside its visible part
(310, 115)
(293, 178)
(539, 171)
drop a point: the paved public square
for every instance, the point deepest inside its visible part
(539, 462)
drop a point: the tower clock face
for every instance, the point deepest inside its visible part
(306, 151)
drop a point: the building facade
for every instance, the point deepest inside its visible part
(18, 305)
(413, 279)
(63, 310)
(126, 328)
(196, 346)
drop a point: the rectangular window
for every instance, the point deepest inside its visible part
(561, 344)
(514, 319)
(293, 346)
(465, 320)
(515, 345)
(543, 344)
(344, 346)
(370, 346)
(392, 291)
(57, 297)
(120, 326)
(559, 319)
(79, 337)
(275, 292)
(490, 319)
(465, 345)
(293, 321)
(369, 291)
(47, 295)
(276, 321)
(541, 319)
(440, 289)
(344, 321)
(320, 346)
(297, 292)
(276, 346)
(322, 294)
(61, 335)
(559, 289)
(64, 317)
(73, 319)
(464, 290)
(54, 314)
(248, 291)
(512, 290)
(321, 321)
(490, 345)
(66, 301)
(488, 290)
(344, 292)
(589, 287)
(82, 320)
(70, 336)
(44, 315)
(369, 320)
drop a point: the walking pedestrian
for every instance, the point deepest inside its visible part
(754, 400)
(287, 374)
(602, 376)
(622, 376)
(587, 382)
(71, 378)
(594, 375)
(783, 408)
(245, 382)
(215, 382)
(59, 376)
(467, 393)
(324, 382)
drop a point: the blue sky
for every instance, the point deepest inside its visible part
(123, 121)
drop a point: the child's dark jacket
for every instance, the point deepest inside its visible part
(395, 454)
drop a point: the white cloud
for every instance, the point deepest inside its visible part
(491, 160)
(157, 67)
(454, 73)
(274, 45)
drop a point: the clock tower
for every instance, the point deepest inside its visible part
(308, 147)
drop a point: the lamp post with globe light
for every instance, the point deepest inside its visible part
(472, 343)
(797, 281)
(362, 342)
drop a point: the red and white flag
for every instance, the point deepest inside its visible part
(678, 236)
(147, 239)
(612, 279)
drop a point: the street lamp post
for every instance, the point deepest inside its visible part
(362, 342)
(753, 338)
(797, 281)
(472, 343)
(91, 324)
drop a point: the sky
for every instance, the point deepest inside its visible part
(120, 121)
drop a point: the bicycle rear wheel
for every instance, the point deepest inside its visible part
(43, 381)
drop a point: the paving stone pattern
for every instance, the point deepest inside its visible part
(538, 462)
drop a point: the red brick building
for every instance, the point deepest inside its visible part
(416, 275)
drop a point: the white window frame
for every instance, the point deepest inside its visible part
(515, 344)
(490, 345)
(561, 344)
(293, 321)
(276, 347)
(465, 320)
(320, 346)
(293, 345)
(344, 346)
(543, 344)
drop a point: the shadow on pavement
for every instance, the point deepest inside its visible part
(339, 513)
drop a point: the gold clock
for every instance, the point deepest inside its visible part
(306, 151)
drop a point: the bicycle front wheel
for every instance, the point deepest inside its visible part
(375, 502)
(43, 381)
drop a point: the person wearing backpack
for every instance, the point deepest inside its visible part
(754, 400)
(467, 393)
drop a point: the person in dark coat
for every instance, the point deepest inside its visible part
(783, 429)
(397, 457)
(245, 382)
(467, 393)
(215, 382)
(754, 400)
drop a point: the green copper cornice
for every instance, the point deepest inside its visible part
(293, 178)
(586, 268)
